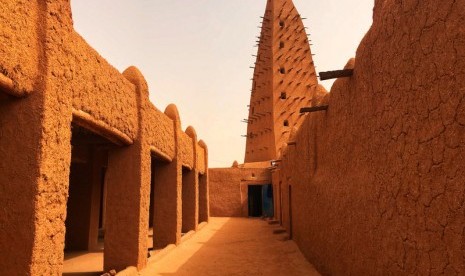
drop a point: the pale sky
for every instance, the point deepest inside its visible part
(197, 53)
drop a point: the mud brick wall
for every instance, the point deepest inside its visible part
(378, 182)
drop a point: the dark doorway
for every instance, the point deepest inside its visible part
(290, 212)
(280, 203)
(154, 164)
(85, 219)
(158, 167)
(203, 198)
(86, 194)
(189, 221)
(152, 194)
(101, 222)
(255, 200)
(160, 221)
(151, 206)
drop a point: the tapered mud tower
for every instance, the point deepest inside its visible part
(284, 80)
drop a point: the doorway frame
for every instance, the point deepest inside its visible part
(244, 187)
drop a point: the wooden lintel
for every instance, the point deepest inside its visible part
(336, 74)
(187, 166)
(7, 86)
(87, 121)
(160, 154)
(313, 109)
(6, 83)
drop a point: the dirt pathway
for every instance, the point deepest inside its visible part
(233, 246)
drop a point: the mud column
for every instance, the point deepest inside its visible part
(20, 142)
(168, 204)
(34, 172)
(128, 192)
(35, 149)
(190, 189)
(204, 207)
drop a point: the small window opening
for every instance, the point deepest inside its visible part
(282, 70)
(283, 95)
(281, 45)
(281, 23)
(286, 123)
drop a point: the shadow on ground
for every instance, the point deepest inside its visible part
(83, 274)
(234, 246)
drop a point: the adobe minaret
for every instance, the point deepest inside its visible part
(284, 80)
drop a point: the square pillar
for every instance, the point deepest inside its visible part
(35, 154)
(170, 211)
(128, 191)
(127, 203)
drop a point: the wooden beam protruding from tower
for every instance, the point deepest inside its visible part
(336, 74)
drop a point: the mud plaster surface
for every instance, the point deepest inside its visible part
(45, 58)
(378, 180)
(227, 198)
(284, 80)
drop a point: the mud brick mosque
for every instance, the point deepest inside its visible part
(366, 179)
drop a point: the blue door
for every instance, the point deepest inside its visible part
(267, 196)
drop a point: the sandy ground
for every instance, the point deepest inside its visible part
(233, 246)
(84, 263)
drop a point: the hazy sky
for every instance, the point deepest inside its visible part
(197, 53)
